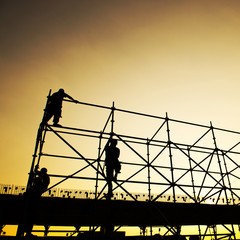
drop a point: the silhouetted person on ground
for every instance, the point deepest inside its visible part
(54, 107)
(40, 185)
(113, 166)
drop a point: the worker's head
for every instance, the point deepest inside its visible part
(61, 90)
(43, 170)
(114, 142)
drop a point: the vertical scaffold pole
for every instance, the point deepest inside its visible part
(228, 178)
(99, 154)
(149, 179)
(199, 232)
(38, 147)
(233, 232)
(149, 176)
(219, 163)
(191, 171)
(170, 158)
(112, 120)
(39, 140)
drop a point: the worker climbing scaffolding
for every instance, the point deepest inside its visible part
(39, 186)
(32, 197)
(54, 107)
(40, 182)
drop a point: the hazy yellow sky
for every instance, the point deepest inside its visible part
(153, 56)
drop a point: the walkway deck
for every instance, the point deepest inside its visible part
(88, 212)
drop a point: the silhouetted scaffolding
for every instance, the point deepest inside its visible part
(192, 167)
(206, 162)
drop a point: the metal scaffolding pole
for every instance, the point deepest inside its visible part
(171, 159)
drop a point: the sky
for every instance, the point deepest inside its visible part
(154, 56)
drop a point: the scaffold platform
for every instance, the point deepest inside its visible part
(90, 212)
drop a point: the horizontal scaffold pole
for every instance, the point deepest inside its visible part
(153, 116)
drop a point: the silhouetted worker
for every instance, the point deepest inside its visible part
(113, 166)
(41, 182)
(40, 185)
(54, 107)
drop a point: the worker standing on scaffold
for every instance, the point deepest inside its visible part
(54, 107)
(112, 163)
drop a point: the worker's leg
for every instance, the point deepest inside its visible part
(109, 181)
(57, 116)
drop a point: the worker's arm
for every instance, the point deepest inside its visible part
(67, 96)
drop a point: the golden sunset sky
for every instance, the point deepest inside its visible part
(151, 56)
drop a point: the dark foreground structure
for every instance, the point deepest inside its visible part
(100, 213)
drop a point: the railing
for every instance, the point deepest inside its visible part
(12, 189)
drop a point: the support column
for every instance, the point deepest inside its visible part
(1, 229)
(112, 121)
(192, 177)
(37, 153)
(39, 141)
(98, 164)
(46, 230)
(219, 163)
(170, 158)
(149, 176)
